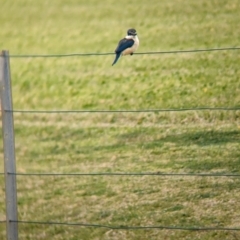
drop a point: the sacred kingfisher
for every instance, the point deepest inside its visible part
(127, 45)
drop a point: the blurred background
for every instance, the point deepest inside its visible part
(188, 142)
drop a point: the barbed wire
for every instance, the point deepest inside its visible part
(131, 174)
(112, 53)
(130, 227)
(128, 111)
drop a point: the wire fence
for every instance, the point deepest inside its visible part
(159, 174)
(114, 174)
(111, 53)
(132, 227)
(130, 111)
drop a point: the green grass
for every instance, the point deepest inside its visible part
(170, 142)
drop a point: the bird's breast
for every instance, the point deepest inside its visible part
(136, 41)
(133, 48)
(128, 51)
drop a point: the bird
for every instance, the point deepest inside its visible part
(127, 45)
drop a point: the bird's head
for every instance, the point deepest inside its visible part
(131, 32)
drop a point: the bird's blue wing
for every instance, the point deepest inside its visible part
(124, 44)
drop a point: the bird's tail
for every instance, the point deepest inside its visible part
(116, 58)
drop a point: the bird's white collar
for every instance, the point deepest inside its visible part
(130, 37)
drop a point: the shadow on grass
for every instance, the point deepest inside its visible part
(198, 150)
(204, 138)
(200, 138)
(135, 139)
(194, 150)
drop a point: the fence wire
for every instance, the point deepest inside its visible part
(160, 174)
(129, 111)
(132, 227)
(111, 53)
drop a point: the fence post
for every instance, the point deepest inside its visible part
(8, 147)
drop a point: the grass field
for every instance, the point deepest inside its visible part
(158, 142)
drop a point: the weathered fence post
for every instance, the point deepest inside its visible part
(8, 147)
